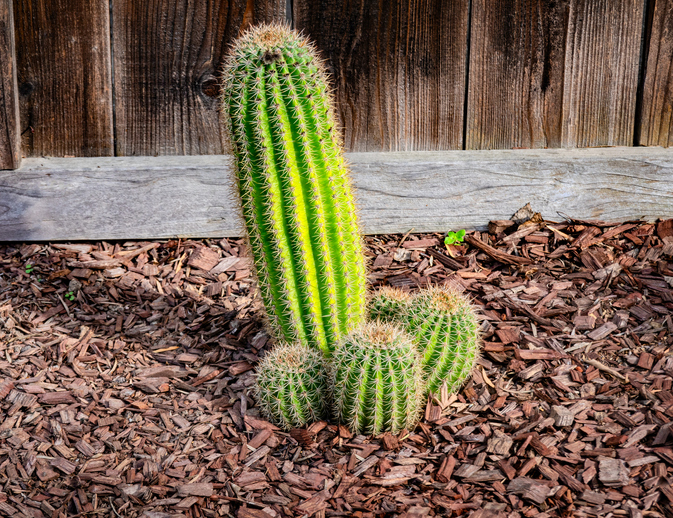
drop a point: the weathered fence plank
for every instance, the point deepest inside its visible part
(553, 74)
(167, 56)
(601, 72)
(399, 69)
(654, 125)
(143, 198)
(516, 74)
(10, 144)
(63, 55)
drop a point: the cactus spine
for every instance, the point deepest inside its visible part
(291, 386)
(447, 335)
(294, 187)
(376, 380)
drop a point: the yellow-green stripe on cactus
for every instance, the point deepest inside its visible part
(376, 380)
(447, 335)
(294, 187)
(291, 386)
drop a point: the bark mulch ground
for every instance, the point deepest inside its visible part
(126, 373)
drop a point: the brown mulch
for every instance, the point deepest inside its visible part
(126, 373)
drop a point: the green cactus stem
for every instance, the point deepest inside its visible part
(294, 187)
(446, 331)
(376, 380)
(291, 386)
(388, 304)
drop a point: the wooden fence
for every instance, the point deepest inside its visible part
(123, 78)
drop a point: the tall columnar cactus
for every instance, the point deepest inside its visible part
(294, 187)
(291, 386)
(447, 335)
(389, 304)
(376, 380)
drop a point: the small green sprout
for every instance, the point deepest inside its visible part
(29, 268)
(70, 296)
(453, 238)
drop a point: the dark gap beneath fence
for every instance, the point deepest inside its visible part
(467, 72)
(648, 19)
(289, 13)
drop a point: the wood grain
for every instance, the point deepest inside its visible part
(654, 125)
(399, 69)
(63, 54)
(160, 197)
(10, 143)
(601, 72)
(517, 55)
(167, 55)
(553, 73)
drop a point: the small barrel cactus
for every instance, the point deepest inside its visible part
(446, 331)
(294, 187)
(291, 386)
(389, 304)
(376, 380)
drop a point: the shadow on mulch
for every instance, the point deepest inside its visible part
(126, 368)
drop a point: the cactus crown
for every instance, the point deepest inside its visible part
(383, 337)
(291, 386)
(295, 192)
(376, 380)
(442, 298)
(389, 304)
(447, 333)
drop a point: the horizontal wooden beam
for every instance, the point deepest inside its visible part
(56, 199)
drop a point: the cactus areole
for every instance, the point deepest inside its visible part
(294, 187)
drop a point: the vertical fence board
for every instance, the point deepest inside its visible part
(63, 55)
(516, 74)
(601, 72)
(654, 124)
(10, 145)
(167, 55)
(399, 69)
(551, 74)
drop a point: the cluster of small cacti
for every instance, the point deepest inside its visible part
(444, 326)
(300, 218)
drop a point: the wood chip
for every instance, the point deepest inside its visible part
(198, 489)
(562, 416)
(613, 473)
(529, 489)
